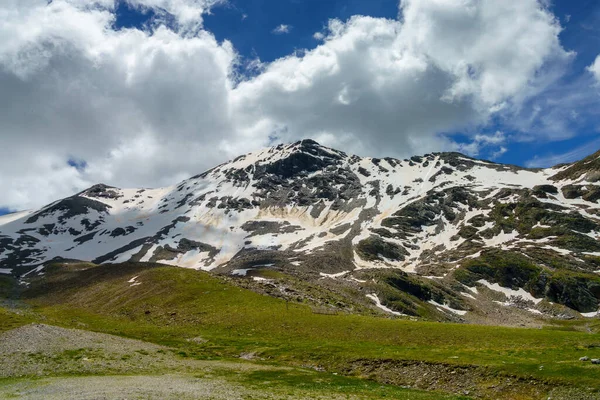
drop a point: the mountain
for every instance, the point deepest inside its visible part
(440, 236)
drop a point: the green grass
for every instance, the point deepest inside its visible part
(277, 383)
(294, 380)
(172, 305)
(10, 320)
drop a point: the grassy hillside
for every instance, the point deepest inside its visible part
(205, 317)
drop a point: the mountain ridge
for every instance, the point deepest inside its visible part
(429, 230)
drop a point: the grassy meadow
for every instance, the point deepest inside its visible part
(203, 317)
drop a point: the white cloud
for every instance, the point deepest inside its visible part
(282, 29)
(139, 107)
(595, 69)
(146, 108)
(488, 145)
(188, 13)
(388, 87)
(319, 36)
(498, 153)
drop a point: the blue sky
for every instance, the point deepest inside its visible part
(144, 93)
(250, 24)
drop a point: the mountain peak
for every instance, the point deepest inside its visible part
(308, 143)
(440, 220)
(100, 190)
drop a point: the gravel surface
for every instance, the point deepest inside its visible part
(35, 338)
(117, 368)
(42, 350)
(134, 387)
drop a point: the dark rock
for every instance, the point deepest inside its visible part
(374, 248)
(69, 207)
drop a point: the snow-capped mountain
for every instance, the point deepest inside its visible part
(309, 209)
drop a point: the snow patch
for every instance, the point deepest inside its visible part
(509, 292)
(338, 275)
(37, 270)
(591, 314)
(501, 238)
(357, 280)
(134, 281)
(6, 271)
(241, 272)
(382, 307)
(447, 308)
(472, 289)
(470, 296)
(558, 250)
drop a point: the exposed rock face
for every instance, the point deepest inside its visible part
(456, 232)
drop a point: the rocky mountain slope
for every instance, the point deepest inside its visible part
(441, 236)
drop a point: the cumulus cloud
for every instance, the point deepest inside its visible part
(150, 107)
(138, 107)
(595, 69)
(188, 13)
(282, 29)
(389, 87)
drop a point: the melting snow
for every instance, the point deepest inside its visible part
(37, 270)
(597, 254)
(558, 250)
(472, 289)
(241, 272)
(357, 280)
(591, 314)
(501, 238)
(7, 271)
(134, 282)
(447, 308)
(509, 292)
(339, 274)
(381, 306)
